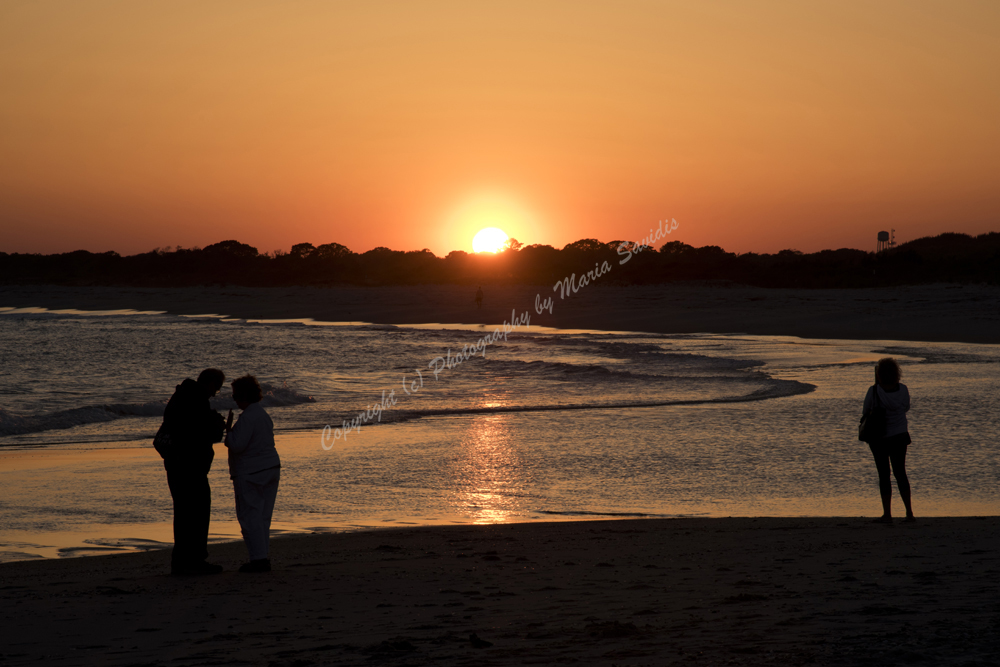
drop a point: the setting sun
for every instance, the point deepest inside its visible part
(490, 239)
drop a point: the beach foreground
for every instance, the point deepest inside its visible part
(741, 591)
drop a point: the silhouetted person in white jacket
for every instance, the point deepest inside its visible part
(255, 469)
(890, 451)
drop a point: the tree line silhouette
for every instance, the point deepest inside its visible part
(957, 258)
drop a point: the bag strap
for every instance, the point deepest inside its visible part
(874, 395)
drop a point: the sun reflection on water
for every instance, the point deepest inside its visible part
(489, 475)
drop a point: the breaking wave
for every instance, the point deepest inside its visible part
(14, 424)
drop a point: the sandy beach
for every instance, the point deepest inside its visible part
(637, 592)
(947, 313)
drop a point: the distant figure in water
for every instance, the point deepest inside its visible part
(255, 469)
(890, 451)
(479, 298)
(193, 427)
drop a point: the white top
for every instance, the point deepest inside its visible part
(251, 443)
(896, 403)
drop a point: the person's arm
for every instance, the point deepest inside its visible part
(239, 438)
(906, 399)
(866, 408)
(214, 425)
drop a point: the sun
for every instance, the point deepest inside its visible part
(490, 239)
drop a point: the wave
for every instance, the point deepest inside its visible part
(673, 366)
(931, 355)
(13, 424)
(560, 370)
(778, 389)
(274, 397)
(283, 395)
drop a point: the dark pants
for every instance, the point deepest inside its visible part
(192, 509)
(890, 454)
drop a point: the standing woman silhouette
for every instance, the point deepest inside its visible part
(890, 451)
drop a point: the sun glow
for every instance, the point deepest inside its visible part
(477, 212)
(490, 239)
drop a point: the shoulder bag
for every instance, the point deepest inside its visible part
(873, 423)
(163, 442)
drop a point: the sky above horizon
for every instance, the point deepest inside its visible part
(756, 126)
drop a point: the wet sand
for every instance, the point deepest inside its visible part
(636, 592)
(947, 313)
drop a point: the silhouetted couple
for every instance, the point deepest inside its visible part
(193, 428)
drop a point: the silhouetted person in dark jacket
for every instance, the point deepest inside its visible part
(193, 427)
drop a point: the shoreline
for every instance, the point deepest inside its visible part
(928, 313)
(832, 591)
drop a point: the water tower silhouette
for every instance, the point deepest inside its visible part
(885, 242)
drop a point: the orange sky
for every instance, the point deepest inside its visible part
(757, 126)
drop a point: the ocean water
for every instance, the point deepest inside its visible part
(541, 424)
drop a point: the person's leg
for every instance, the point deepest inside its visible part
(192, 509)
(181, 492)
(269, 491)
(173, 483)
(897, 455)
(884, 482)
(202, 517)
(249, 512)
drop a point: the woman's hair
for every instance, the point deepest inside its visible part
(887, 371)
(247, 390)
